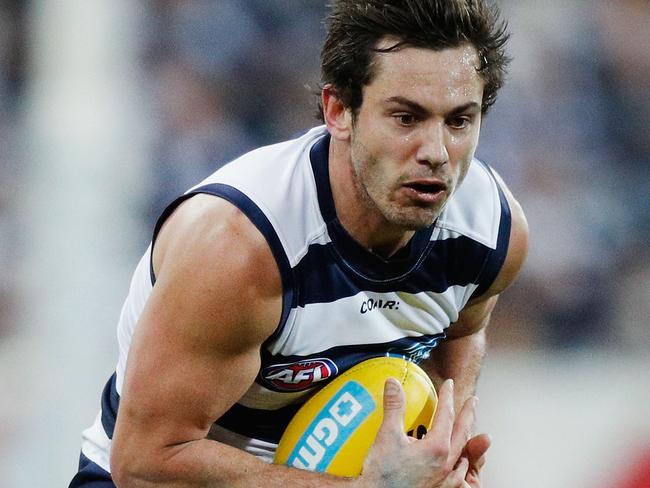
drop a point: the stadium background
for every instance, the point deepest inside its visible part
(109, 109)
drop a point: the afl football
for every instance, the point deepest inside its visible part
(333, 431)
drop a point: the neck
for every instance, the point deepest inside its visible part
(356, 212)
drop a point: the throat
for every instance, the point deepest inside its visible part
(393, 250)
(375, 234)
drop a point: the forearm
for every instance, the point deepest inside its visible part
(459, 359)
(208, 464)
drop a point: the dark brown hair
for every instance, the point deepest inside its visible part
(355, 27)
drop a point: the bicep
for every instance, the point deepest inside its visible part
(195, 350)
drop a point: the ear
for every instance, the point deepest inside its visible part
(337, 116)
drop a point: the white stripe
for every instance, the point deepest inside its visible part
(279, 180)
(342, 323)
(96, 445)
(261, 449)
(475, 209)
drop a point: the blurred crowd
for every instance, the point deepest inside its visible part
(228, 76)
(12, 84)
(570, 133)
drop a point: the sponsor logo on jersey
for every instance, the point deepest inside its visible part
(332, 427)
(373, 304)
(300, 375)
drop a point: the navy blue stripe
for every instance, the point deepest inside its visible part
(257, 217)
(266, 425)
(343, 268)
(497, 256)
(372, 266)
(159, 223)
(344, 357)
(91, 475)
(110, 406)
(449, 262)
(319, 155)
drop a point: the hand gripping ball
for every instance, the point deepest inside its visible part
(334, 429)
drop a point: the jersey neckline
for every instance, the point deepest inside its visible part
(353, 255)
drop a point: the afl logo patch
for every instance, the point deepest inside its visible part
(300, 375)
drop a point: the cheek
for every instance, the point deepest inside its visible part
(373, 156)
(464, 168)
(464, 148)
(374, 176)
(465, 141)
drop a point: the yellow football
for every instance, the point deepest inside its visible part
(333, 431)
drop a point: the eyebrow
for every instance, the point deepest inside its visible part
(467, 107)
(413, 106)
(419, 109)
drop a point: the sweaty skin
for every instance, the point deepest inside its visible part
(218, 295)
(419, 124)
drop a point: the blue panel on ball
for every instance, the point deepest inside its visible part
(332, 427)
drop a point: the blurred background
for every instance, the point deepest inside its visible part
(110, 109)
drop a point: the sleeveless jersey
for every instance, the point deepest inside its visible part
(341, 303)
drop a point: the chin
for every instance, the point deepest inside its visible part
(415, 226)
(413, 223)
(409, 217)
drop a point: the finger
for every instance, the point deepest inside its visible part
(476, 448)
(463, 425)
(475, 451)
(443, 420)
(394, 407)
(456, 478)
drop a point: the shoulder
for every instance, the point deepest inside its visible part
(207, 226)
(275, 186)
(209, 256)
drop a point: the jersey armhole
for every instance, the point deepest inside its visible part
(261, 222)
(496, 257)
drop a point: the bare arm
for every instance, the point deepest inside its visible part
(461, 357)
(196, 351)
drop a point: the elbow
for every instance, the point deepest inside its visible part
(129, 469)
(142, 465)
(122, 471)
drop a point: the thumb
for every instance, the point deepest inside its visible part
(394, 407)
(476, 448)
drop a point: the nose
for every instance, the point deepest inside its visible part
(433, 146)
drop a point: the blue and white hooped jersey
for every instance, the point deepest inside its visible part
(341, 303)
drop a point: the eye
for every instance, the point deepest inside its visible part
(459, 122)
(405, 119)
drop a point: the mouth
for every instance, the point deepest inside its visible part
(426, 191)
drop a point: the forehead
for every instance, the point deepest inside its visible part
(447, 76)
